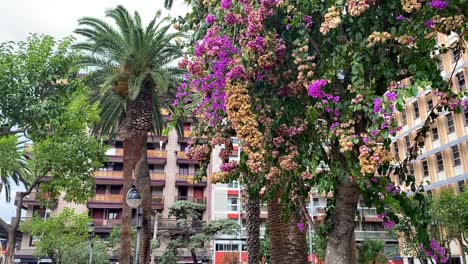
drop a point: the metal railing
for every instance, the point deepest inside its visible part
(201, 200)
(185, 177)
(383, 235)
(108, 198)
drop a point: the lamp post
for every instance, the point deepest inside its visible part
(134, 201)
(92, 234)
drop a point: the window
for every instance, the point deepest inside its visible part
(430, 104)
(456, 54)
(466, 118)
(118, 144)
(461, 186)
(429, 192)
(440, 162)
(115, 189)
(233, 185)
(183, 146)
(456, 156)
(105, 167)
(118, 167)
(151, 146)
(461, 80)
(112, 214)
(425, 168)
(183, 169)
(424, 261)
(435, 134)
(440, 65)
(408, 144)
(227, 247)
(450, 123)
(233, 204)
(395, 147)
(316, 202)
(33, 240)
(403, 117)
(410, 261)
(416, 109)
(411, 169)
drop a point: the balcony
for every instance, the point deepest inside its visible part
(183, 180)
(191, 199)
(381, 235)
(154, 156)
(30, 199)
(103, 225)
(157, 202)
(182, 158)
(158, 179)
(106, 201)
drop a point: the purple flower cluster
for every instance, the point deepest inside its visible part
(236, 72)
(210, 19)
(377, 105)
(308, 21)
(438, 4)
(315, 89)
(257, 45)
(430, 23)
(436, 252)
(226, 4)
(401, 18)
(230, 19)
(388, 224)
(391, 96)
(228, 167)
(392, 189)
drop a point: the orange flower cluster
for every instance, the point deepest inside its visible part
(219, 177)
(332, 20)
(358, 7)
(345, 133)
(371, 158)
(448, 24)
(238, 108)
(378, 37)
(410, 5)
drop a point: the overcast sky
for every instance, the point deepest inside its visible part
(58, 18)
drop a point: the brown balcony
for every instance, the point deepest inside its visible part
(158, 179)
(192, 199)
(106, 201)
(108, 174)
(157, 202)
(183, 180)
(183, 158)
(106, 225)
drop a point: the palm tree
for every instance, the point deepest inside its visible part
(130, 67)
(372, 252)
(13, 168)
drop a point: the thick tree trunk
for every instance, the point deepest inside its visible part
(143, 180)
(278, 234)
(132, 153)
(341, 246)
(252, 207)
(297, 241)
(462, 250)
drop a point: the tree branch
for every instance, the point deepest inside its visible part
(4, 225)
(12, 132)
(309, 219)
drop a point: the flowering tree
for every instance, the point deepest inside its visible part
(311, 89)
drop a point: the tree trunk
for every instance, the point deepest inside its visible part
(194, 256)
(252, 207)
(462, 250)
(133, 130)
(132, 153)
(278, 238)
(341, 246)
(143, 180)
(297, 241)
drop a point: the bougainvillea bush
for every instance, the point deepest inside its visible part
(311, 88)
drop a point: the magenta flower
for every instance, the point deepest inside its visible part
(429, 24)
(377, 105)
(226, 4)
(391, 96)
(210, 19)
(401, 18)
(438, 4)
(315, 89)
(388, 224)
(236, 72)
(230, 19)
(300, 227)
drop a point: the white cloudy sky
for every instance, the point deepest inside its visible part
(58, 18)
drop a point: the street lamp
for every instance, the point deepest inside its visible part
(92, 234)
(134, 201)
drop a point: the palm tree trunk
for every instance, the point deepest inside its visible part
(462, 249)
(278, 228)
(194, 256)
(132, 153)
(297, 241)
(252, 207)
(143, 180)
(341, 246)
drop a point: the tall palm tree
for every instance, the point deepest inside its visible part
(15, 170)
(131, 69)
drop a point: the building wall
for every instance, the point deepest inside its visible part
(437, 166)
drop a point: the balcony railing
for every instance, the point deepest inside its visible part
(182, 155)
(107, 198)
(383, 235)
(158, 176)
(185, 177)
(192, 199)
(108, 174)
(157, 200)
(107, 222)
(157, 154)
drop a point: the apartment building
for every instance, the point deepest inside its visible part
(443, 162)
(170, 169)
